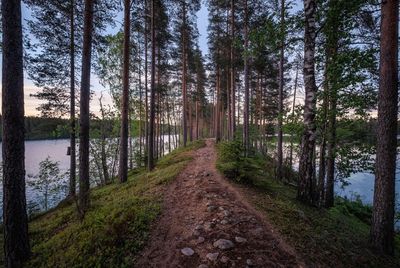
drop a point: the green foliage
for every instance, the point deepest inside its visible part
(116, 226)
(335, 237)
(48, 181)
(234, 165)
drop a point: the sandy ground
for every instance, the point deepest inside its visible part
(207, 223)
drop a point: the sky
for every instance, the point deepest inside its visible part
(31, 103)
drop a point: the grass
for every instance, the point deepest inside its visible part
(327, 238)
(116, 226)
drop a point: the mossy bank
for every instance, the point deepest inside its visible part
(116, 226)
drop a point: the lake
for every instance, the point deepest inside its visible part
(37, 151)
(361, 183)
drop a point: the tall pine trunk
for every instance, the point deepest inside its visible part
(232, 72)
(72, 168)
(246, 137)
(15, 219)
(84, 183)
(123, 152)
(382, 225)
(150, 154)
(184, 89)
(305, 191)
(280, 97)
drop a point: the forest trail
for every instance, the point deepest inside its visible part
(207, 223)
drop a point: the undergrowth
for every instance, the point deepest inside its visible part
(116, 226)
(326, 238)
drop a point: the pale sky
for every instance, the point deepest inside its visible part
(32, 103)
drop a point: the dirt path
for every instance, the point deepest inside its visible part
(206, 223)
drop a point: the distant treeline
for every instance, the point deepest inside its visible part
(43, 128)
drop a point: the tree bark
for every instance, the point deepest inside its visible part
(72, 168)
(280, 97)
(305, 191)
(123, 152)
(184, 89)
(293, 114)
(232, 72)
(246, 137)
(150, 156)
(15, 219)
(382, 225)
(84, 183)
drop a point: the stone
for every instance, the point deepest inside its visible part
(202, 266)
(240, 239)
(224, 221)
(249, 262)
(196, 233)
(187, 251)
(199, 227)
(211, 208)
(224, 259)
(200, 240)
(226, 213)
(212, 256)
(209, 225)
(223, 244)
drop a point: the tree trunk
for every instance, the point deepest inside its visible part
(280, 102)
(150, 154)
(293, 114)
(232, 72)
(123, 152)
(72, 168)
(84, 183)
(246, 137)
(146, 89)
(15, 219)
(322, 149)
(306, 169)
(382, 225)
(184, 89)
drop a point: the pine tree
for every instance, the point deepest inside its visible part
(123, 157)
(84, 182)
(382, 225)
(15, 219)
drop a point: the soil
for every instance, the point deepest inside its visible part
(201, 207)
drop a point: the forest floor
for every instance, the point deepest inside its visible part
(206, 222)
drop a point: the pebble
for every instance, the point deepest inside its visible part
(224, 221)
(249, 262)
(199, 227)
(240, 239)
(212, 256)
(209, 225)
(224, 259)
(226, 213)
(211, 208)
(202, 266)
(200, 240)
(187, 251)
(223, 244)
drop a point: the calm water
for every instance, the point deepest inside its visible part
(37, 151)
(361, 184)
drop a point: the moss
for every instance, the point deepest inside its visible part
(116, 226)
(335, 237)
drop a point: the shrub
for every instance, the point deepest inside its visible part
(235, 166)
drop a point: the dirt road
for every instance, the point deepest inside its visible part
(207, 223)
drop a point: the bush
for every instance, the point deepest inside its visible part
(235, 166)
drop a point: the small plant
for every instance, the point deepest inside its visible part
(48, 182)
(234, 165)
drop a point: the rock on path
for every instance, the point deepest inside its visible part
(202, 214)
